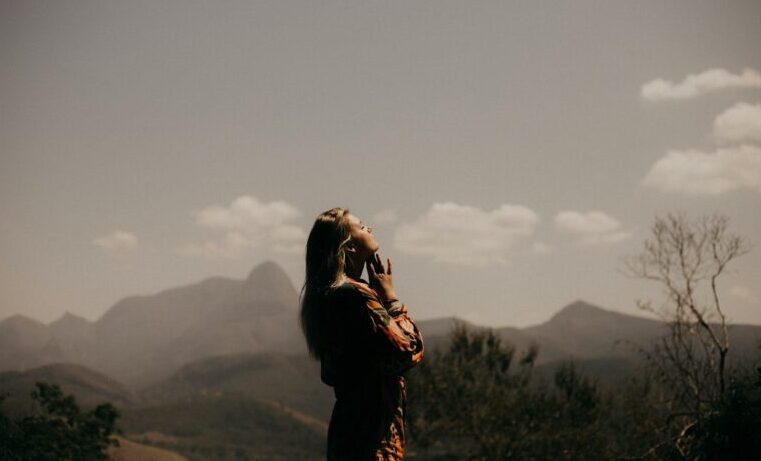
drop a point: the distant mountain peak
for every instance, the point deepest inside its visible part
(580, 307)
(582, 312)
(589, 317)
(70, 326)
(19, 332)
(68, 318)
(267, 270)
(20, 320)
(269, 282)
(269, 275)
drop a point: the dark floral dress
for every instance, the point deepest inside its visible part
(370, 346)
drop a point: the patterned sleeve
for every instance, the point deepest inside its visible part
(392, 333)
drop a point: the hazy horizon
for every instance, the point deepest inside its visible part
(509, 156)
(558, 308)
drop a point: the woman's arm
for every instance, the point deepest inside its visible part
(391, 332)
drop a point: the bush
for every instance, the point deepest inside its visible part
(60, 432)
(477, 401)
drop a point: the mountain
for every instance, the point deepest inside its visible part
(250, 406)
(88, 387)
(585, 332)
(226, 427)
(143, 339)
(22, 333)
(214, 317)
(132, 451)
(71, 340)
(21, 340)
(69, 326)
(582, 330)
(293, 380)
(220, 374)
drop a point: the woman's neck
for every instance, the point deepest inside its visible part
(354, 269)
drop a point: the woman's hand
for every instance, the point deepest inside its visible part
(380, 277)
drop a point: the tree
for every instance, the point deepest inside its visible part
(687, 258)
(460, 392)
(62, 432)
(478, 400)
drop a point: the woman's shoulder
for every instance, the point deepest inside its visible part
(345, 301)
(353, 288)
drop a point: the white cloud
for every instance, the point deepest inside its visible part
(592, 227)
(246, 212)
(116, 241)
(697, 84)
(247, 224)
(741, 121)
(384, 217)
(743, 293)
(466, 235)
(694, 172)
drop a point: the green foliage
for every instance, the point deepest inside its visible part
(477, 401)
(61, 432)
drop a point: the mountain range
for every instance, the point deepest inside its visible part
(218, 370)
(142, 340)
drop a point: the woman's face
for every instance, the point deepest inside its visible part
(362, 237)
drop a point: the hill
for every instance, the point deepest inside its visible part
(133, 451)
(582, 331)
(143, 339)
(293, 380)
(88, 387)
(227, 427)
(21, 340)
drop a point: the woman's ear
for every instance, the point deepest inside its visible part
(350, 248)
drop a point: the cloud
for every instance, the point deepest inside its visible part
(697, 84)
(695, 173)
(466, 235)
(246, 212)
(743, 293)
(739, 122)
(384, 217)
(245, 225)
(592, 227)
(117, 240)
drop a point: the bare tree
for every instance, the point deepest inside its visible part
(687, 258)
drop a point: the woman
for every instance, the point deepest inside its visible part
(362, 336)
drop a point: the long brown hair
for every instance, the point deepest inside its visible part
(325, 265)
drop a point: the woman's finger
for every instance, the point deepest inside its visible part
(371, 264)
(370, 269)
(389, 266)
(378, 264)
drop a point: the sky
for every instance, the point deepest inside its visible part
(509, 155)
